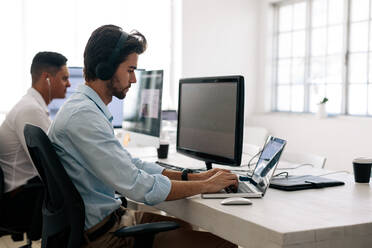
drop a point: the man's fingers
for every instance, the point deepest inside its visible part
(231, 176)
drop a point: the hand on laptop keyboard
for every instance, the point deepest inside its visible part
(231, 189)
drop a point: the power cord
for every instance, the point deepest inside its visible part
(334, 172)
(296, 167)
(291, 168)
(249, 171)
(285, 173)
(254, 156)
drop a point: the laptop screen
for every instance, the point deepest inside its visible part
(267, 163)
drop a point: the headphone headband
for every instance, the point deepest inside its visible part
(119, 44)
(105, 70)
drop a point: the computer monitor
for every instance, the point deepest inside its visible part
(142, 110)
(211, 119)
(76, 78)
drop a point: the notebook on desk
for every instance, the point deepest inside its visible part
(293, 183)
(256, 185)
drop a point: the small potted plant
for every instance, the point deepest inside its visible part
(322, 113)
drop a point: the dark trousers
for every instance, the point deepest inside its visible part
(183, 237)
(20, 209)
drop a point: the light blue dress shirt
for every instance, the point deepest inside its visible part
(83, 137)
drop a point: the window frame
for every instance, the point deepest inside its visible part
(345, 54)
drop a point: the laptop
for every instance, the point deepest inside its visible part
(255, 186)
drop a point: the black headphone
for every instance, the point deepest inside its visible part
(105, 70)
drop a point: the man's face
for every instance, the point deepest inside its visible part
(124, 77)
(59, 83)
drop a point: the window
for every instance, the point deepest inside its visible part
(359, 73)
(323, 49)
(65, 26)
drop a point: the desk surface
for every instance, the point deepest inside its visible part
(330, 217)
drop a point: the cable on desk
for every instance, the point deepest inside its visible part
(285, 173)
(296, 167)
(250, 161)
(334, 172)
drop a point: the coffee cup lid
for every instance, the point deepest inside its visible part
(164, 142)
(363, 160)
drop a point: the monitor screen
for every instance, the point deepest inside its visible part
(210, 119)
(142, 107)
(76, 78)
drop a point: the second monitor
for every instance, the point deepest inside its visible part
(142, 110)
(211, 119)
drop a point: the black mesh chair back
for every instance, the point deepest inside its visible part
(1, 183)
(63, 208)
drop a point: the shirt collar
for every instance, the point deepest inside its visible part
(91, 94)
(36, 94)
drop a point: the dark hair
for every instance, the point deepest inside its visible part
(46, 61)
(101, 45)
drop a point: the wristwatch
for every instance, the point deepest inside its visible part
(185, 172)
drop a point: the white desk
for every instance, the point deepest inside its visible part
(330, 217)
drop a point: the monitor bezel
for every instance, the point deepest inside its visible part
(239, 121)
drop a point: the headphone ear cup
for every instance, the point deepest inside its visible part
(104, 71)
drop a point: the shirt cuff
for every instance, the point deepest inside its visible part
(159, 191)
(150, 168)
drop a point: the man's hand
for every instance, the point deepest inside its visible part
(208, 174)
(220, 180)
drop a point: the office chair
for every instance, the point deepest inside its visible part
(32, 229)
(63, 207)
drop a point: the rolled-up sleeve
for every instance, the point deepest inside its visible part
(151, 168)
(110, 163)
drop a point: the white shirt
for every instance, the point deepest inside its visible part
(14, 158)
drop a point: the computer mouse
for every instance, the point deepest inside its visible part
(236, 201)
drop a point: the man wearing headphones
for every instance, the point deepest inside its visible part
(50, 79)
(98, 165)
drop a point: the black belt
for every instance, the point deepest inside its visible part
(115, 216)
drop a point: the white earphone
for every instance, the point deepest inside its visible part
(49, 91)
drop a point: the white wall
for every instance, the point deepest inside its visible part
(340, 138)
(235, 37)
(219, 38)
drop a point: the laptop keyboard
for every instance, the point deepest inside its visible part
(242, 188)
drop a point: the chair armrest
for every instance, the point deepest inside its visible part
(148, 228)
(33, 183)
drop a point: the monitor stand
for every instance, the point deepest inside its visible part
(209, 165)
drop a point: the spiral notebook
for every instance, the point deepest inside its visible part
(293, 183)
